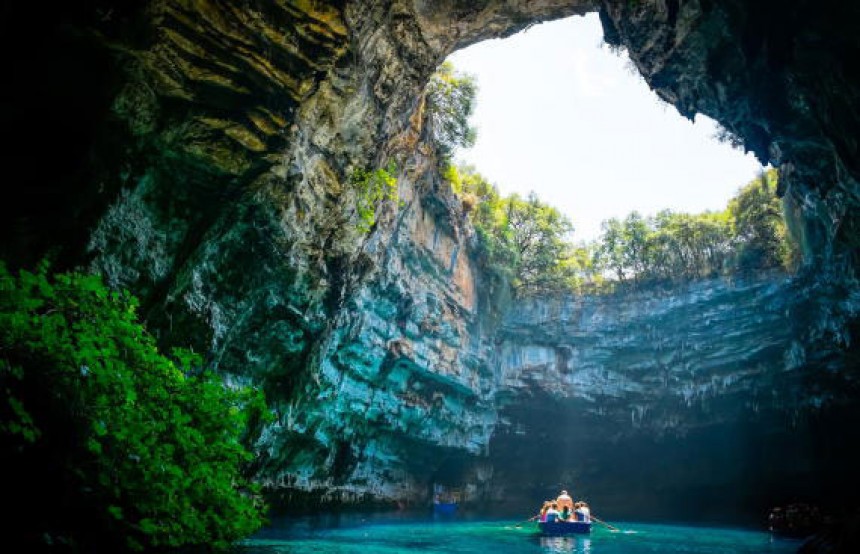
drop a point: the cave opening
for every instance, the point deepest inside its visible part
(673, 455)
(561, 113)
(228, 164)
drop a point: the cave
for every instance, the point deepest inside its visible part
(200, 156)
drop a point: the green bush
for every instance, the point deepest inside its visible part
(760, 226)
(104, 440)
(373, 187)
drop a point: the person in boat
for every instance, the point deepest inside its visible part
(552, 514)
(583, 513)
(564, 499)
(541, 515)
(544, 509)
(565, 514)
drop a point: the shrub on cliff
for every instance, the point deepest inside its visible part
(373, 187)
(667, 247)
(104, 440)
(524, 244)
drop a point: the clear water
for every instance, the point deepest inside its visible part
(374, 535)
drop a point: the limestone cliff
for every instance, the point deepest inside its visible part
(201, 154)
(660, 399)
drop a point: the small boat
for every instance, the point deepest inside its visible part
(445, 508)
(555, 528)
(446, 500)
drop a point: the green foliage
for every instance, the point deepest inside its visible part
(668, 246)
(105, 441)
(760, 226)
(525, 244)
(488, 213)
(538, 235)
(373, 187)
(450, 102)
(750, 234)
(522, 242)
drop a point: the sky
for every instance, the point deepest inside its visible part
(560, 114)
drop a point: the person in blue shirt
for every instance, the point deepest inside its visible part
(582, 512)
(552, 514)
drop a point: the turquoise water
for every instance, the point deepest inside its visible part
(501, 537)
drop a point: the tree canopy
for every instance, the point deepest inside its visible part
(528, 243)
(668, 246)
(750, 234)
(450, 102)
(759, 225)
(521, 241)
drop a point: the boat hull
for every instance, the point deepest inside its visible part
(445, 508)
(555, 528)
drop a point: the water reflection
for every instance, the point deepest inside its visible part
(566, 545)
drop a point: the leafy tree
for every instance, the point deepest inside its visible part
(523, 243)
(104, 440)
(637, 252)
(749, 234)
(538, 234)
(450, 102)
(610, 253)
(489, 215)
(760, 226)
(688, 246)
(581, 263)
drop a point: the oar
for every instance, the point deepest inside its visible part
(520, 524)
(598, 520)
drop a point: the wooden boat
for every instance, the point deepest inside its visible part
(555, 528)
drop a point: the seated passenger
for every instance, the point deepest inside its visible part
(582, 513)
(565, 514)
(542, 515)
(586, 512)
(552, 514)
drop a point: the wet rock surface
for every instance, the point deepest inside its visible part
(658, 402)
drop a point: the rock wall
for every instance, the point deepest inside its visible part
(201, 154)
(655, 402)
